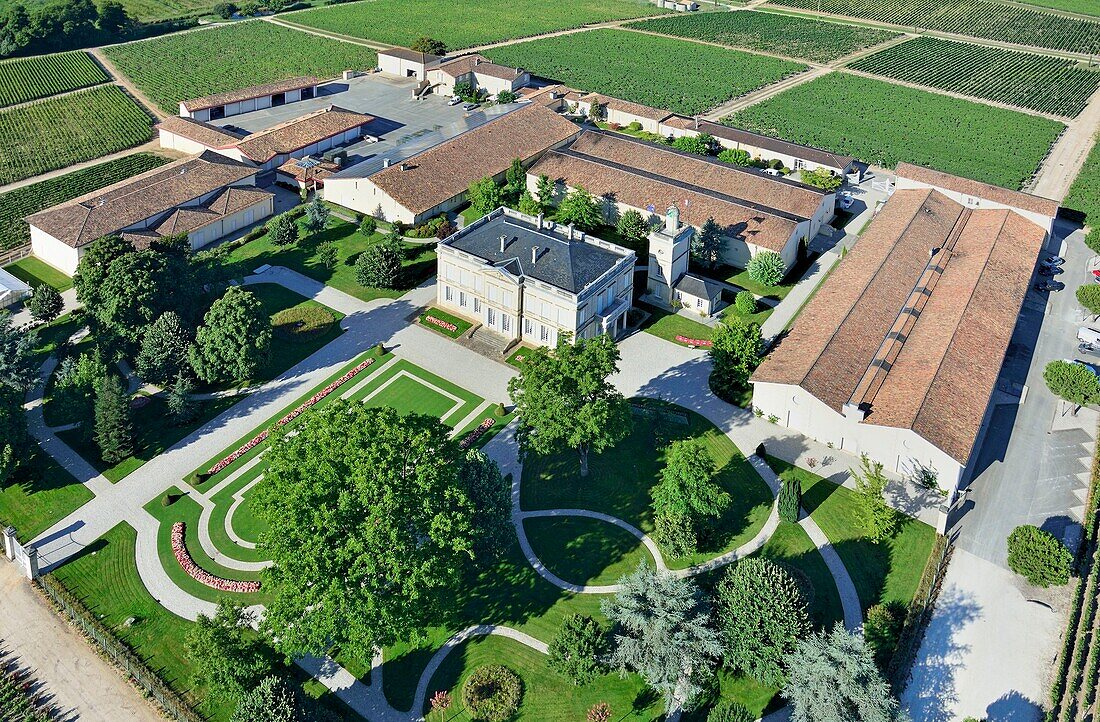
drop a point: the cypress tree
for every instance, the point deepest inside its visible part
(113, 427)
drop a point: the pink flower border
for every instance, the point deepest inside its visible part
(262, 436)
(441, 323)
(694, 341)
(179, 549)
(476, 433)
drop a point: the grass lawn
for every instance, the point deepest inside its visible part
(246, 525)
(290, 346)
(759, 317)
(302, 257)
(53, 335)
(885, 572)
(585, 551)
(740, 277)
(519, 355)
(39, 494)
(667, 325)
(461, 325)
(407, 388)
(36, 272)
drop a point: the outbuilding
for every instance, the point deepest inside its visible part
(245, 100)
(405, 63)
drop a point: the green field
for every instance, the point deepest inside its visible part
(35, 272)
(771, 33)
(1037, 82)
(1084, 194)
(1084, 7)
(229, 58)
(882, 124)
(21, 202)
(977, 18)
(474, 22)
(142, 10)
(40, 494)
(24, 79)
(647, 69)
(59, 132)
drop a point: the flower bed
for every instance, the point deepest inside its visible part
(441, 323)
(474, 435)
(179, 549)
(694, 341)
(262, 436)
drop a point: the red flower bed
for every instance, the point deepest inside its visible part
(260, 437)
(179, 549)
(441, 323)
(476, 433)
(694, 341)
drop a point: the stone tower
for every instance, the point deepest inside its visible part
(669, 253)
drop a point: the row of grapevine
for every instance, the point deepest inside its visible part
(21, 696)
(796, 37)
(58, 132)
(21, 202)
(976, 18)
(676, 75)
(1038, 82)
(24, 79)
(177, 67)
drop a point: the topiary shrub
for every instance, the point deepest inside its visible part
(790, 500)
(729, 711)
(745, 303)
(1039, 556)
(767, 268)
(492, 693)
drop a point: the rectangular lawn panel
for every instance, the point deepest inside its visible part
(666, 73)
(1037, 82)
(41, 76)
(58, 132)
(230, 58)
(474, 22)
(461, 325)
(788, 35)
(39, 494)
(1007, 22)
(882, 124)
(1084, 194)
(35, 272)
(400, 386)
(667, 325)
(21, 202)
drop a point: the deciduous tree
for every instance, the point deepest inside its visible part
(735, 157)
(1039, 556)
(283, 230)
(234, 340)
(491, 495)
(546, 189)
(736, 353)
(1089, 297)
(328, 255)
(821, 178)
(528, 204)
(228, 659)
(687, 491)
(181, 406)
(424, 44)
(881, 630)
(485, 196)
(515, 181)
(633, 228)
(94, 267)
(45, 304)
(1075, 383)
(580, 208)
(380, 265)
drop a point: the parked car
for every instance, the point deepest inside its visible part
(454, 101)
(1053, 261)
(470, 106)
(1088, 349)
(772, 171)
(846, 200)
(1046, 286)
(1050, 270)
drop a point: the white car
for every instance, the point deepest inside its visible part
(772, 171)
(454, 101)
(846, 200)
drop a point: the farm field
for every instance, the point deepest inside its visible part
(58, 132)
(882, 124)
(21, 202)
(481, 21)
(1084, 7)
(1084, 194)
(142, 10)
(24, 79)
(813, 40)
(231, 57)
(976, 18)
(647, 69)
(1038, 82)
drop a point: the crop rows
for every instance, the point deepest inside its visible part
(178, 67)
(469, 23)
(647, 69)
(58, 132)
(977, 18)
(882, 123)
(1038, 82)
(796, 37)
(21, 202)
(1084, 194)
(26, 79)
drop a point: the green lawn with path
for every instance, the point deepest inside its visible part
(245, 524)
(585, 551)
(38, 495)
(35, 272)
(668, 325)
(407, 387)
(288, 347)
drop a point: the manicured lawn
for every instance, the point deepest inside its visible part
(740, 277)
(289, 347)
(885, 572)
(36, 272)
(39, 495)
(519, 355)
(407, 388)
(585, 551)
(667, 325)
(52, 336)
(759, 317)
(461, 325)
(247, 526)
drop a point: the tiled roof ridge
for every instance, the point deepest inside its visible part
(235, 96)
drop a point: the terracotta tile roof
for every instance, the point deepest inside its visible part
(209, 135)
(407, 54)
(625, 106)
(639, 189)
(756, 140)
(225, 203)
(82, 220)
(941, 371)
(255, 91)
(300, 132)
(746, 184)
(443, 172)
(478, 64)
(997, 194)
(317, 173)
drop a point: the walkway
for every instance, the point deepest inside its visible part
(23, 316)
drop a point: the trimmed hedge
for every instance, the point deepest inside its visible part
(1039, 556)
(492, 693)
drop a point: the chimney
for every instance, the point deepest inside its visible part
(853, 412)
(570, 231)
(540, 222)
(534, 254)
(404, 166)
(385, 162)
(503, 243)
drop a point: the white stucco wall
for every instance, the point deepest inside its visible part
(173, 141)
(53, 252)
(1045, 222)
(223, 227)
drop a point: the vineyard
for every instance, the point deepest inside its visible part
(21, 202)
(1038, 82)
(1084, 7)
(796, 37)
(1084, 194)
(399, 22)
(647, 69)
(59, 132)
(977, 18)
(882, 123)
(229, 58)
(26, 79)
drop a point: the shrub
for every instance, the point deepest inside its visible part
(505, 97)
(821, 178)
(745, 303)
(1073, 382)
(735, 157)
(599, 712)
(881, 630)
(790, 500)
(767, 268)
(578, 649)
(380, 265)
(368, 226)
(675, 533)
(492, 693)
(1092, 240)
(1039, 556)
(634, 126)
(1089, 297)
(729, 711)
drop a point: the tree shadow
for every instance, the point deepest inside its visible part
(1014, 707)
(930, 694)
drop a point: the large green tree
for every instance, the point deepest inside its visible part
(515, 181)
(564, 397)
(735, 354)
(832, 677)
(763, 616)
(227, 656)
(578, 650)
(380, 265)
(94, 267)
(18, 370)
(130, 296)
(633, 228)
(234, 340)
(370, 527)
(46, 303)
(114, 432)
(163, 353)
(687, 492)
(491, 495)
(664, 633)
(708, 245)
(580, 208)
(545, 190)
(283, 230)
(272, 700)
(485, 196)
(1075, 383)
